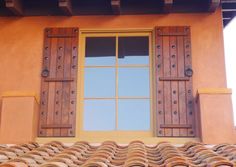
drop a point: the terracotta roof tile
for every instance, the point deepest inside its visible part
(110, 154)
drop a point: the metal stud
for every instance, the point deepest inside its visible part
(72, 102)
(71, 112)
(158, 46)
(159, 102)
(174, 92)
(173, 56)
(173, 46)
(175, 112)
(59, 67)
(72, 92)
(175, 102)
(74, 47)
(60, 48)
(173, 66)
(159, 91)
(160, 112)
(74, 57)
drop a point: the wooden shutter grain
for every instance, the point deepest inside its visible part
(175, 115)
(58, 89)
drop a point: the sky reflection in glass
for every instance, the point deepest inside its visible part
(134, 114)
(99, 115)
(99, 82)
(133, 82)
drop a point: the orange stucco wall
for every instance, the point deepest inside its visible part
(21, 42)
(216, 122)
(18, 119)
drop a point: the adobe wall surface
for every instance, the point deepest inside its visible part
(21, 43)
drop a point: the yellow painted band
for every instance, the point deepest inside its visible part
(214, 91)
(21, 94)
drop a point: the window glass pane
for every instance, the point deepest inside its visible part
(134, 114)
(133, 82)
(99, 82)
(99, 115)
(100, 51)
(133, 50)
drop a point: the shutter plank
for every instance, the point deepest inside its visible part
(52, 85)
(73, 85)
(174, 84)
(167, 84)
(189, 95)
(66, 86)
(181, 87)
(58, 88)
(160, 86)
(44, 86)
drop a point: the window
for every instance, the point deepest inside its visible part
(117, 83)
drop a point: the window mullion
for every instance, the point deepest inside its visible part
(116, 94)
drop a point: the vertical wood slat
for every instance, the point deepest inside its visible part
(55, 96)
(181, 85)
(73, 85)
(160, 118)
(189, 95)
(174, 84)
(58, 89)
(44, 86)
(52, 85)
(167, 85)
(173, 57)
(66, 86)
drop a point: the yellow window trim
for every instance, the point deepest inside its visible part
(80, 87)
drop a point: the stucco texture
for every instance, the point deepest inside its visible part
(21, 43)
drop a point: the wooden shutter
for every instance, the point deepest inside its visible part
(175, 111)
(58, 83)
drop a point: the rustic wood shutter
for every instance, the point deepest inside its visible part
(58, 82)
(174, 111)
